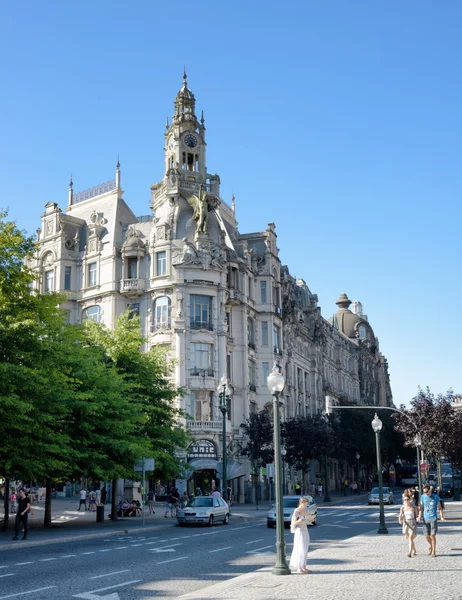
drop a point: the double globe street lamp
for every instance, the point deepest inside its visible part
(377, 427)
(224, 393)
(276, 384)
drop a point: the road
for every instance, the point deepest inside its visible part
(168, 561)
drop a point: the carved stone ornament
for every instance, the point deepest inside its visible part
(50, 228)
(206, 258)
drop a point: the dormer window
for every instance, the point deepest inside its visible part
(362, 332)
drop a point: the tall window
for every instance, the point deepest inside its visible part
(92, 279)
(200, 405)
(252, 376)
(50, 281)
(362, 333)
(276, 337)
(134, 310)
(162, 312)
(161, 263)
(201, 312)
(264, 333)
(92, 312)
(201, 359)
(132, 267)
(263, 292)
(265, 366)
(67, 278)
(251, 332)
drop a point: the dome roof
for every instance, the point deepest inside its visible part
(133, 241)
(350, 324)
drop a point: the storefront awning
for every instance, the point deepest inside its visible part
(233, 469)
(200, 464)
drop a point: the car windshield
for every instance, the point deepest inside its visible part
(207, 502)
(293, 502)
(376, 490)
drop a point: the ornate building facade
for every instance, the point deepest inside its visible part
(218, 300)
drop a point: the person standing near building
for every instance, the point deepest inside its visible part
(151, 500)
(429, 505)
(83, 499)
(22, 515)
(103, 495)
(98, 497)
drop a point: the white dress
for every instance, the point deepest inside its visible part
(301, 544)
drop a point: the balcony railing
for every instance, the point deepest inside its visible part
(202, 325)
(97, 190)
(132, 286)
(204, 425)
(195, 372)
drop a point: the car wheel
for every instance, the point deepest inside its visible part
(211, 521)
(369, 503)
(315, 522)
(226, 520)
(270, 524)
(180, 524)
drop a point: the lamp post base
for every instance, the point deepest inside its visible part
(327, 498)
(382, 530)
(281, 570)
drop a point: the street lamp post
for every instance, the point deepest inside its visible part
(284, 482)
(418, 445)
(276, 384)
(359, 479)
(377, 426)
(224, 392)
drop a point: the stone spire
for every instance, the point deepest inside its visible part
(70, 199)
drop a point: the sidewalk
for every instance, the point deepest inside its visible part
(364, 567)
(69, 524)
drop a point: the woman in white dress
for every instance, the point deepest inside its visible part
(299, 527)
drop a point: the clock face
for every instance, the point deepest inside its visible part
(190, 140)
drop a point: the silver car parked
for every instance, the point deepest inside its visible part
(204, 509)
(289, 504)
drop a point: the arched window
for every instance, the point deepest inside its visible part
(92, 312)
(362, 332)
(162, 312)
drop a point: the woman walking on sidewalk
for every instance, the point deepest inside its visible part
(298, 526)
(408, 519)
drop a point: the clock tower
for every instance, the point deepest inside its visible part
(185, 139)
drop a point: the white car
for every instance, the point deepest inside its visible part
(388, 497)
(204, 509)
(289, 504)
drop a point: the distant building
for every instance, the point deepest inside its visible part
(218, 300)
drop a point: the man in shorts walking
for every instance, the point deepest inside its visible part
(429, 505)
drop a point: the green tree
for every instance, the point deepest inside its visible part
(259, 445)
(305, 439)
(149, 391)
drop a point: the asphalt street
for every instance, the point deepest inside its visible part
(168, 561)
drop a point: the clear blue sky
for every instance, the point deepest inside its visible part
(339, 121)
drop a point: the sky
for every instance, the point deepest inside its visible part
(338, 121)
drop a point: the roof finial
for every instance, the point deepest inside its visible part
(233, 204)
(118, 162)
(166, 123)
(71, 183)
(184, 75)
(202, 117)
